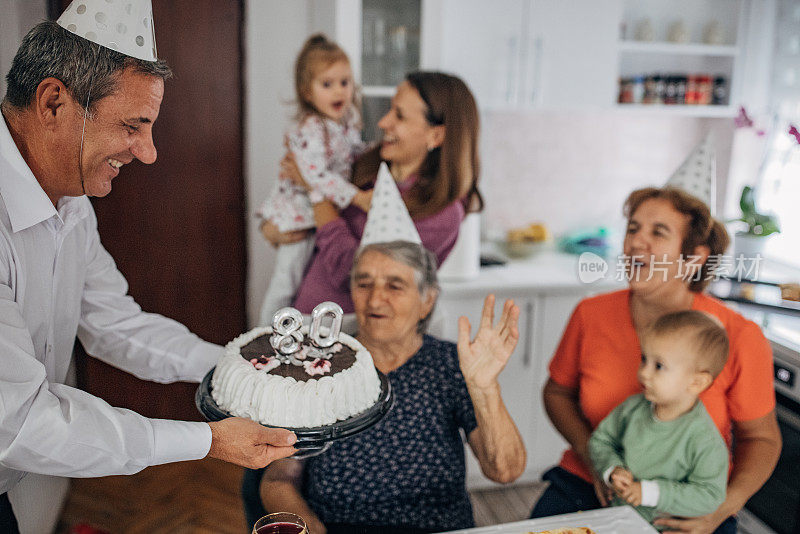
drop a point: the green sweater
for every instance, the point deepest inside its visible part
(686, 457)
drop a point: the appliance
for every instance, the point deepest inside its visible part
(463, 263)
(775, 508)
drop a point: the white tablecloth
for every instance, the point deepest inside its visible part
(614, 520)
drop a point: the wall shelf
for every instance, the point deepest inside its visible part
(684, 49)
(662, 57)
(709, 112)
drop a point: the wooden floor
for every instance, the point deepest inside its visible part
(505, 504)
(203, 497)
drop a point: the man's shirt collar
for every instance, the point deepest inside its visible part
(26, 202)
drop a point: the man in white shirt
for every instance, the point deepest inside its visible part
(74, 114)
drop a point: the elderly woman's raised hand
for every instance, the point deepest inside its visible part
(482, 359)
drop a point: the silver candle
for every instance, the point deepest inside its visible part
(321, 311)
(286, 336)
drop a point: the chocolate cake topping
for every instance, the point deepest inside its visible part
(260, 349)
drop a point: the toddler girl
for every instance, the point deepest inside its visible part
(325, 139)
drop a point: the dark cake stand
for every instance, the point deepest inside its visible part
(314, 440)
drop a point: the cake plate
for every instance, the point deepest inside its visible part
(311, 441)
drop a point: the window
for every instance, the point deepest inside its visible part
(779, 185)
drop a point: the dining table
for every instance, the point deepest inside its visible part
(612, 520)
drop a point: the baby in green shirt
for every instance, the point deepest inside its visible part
(659, 450)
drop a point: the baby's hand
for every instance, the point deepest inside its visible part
(621, 479)
(632, 494)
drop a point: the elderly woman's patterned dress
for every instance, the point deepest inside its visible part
(408, 470)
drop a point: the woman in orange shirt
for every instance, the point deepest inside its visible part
(669, 240)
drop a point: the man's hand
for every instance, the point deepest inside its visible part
(246, 443)
(621, 479)
(277, 238)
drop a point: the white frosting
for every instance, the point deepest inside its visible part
(242, 390)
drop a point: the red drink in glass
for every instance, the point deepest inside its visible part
(280, 523)
(281, 528)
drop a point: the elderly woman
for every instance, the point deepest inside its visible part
(670, 238)
(430, 143)
(407, 473)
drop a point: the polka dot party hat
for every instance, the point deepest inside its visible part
(125, 26)
(388, 218)
(697, 174)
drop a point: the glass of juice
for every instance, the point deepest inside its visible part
(280, 523)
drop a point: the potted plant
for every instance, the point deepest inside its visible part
(759, 225)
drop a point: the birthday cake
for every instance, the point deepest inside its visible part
(290, 376)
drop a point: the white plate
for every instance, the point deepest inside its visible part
(614, 520)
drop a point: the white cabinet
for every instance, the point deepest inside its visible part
(533, 53)
(554, 312)
(511, 53)
(484, 47)
(572, 53)
(385, 40)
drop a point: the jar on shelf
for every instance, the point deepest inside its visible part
(637, 89)
(625, 91)
(680, 89)
(713, 34)
(671, 90)
(660, 89)
(678, 32)
(644, 30)
(704, 90)
(691, 90)
(719, 96)
(649, 90)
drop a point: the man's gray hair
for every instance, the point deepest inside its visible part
(415, 256)
(88, 70)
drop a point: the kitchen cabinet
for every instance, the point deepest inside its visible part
(551, 54)
(511, 53)
(547, 289)
(533, 53)
(385, 40)
(555, 311)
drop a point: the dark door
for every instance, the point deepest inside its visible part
(176, 228)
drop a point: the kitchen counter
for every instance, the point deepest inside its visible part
(547, 271)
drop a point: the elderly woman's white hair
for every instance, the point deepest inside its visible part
(420, 259)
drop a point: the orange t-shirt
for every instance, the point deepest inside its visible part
(599, 355)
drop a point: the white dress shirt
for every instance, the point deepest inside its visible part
(57, 281)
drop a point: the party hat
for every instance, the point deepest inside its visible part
(125, 26)
(388, 218)
(697, 174)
